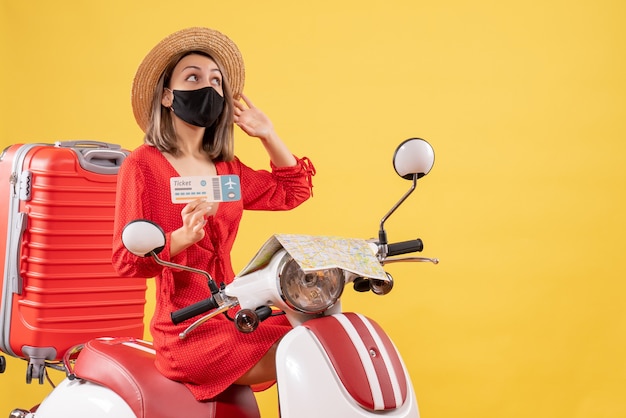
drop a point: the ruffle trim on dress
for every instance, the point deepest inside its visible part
(303, 166)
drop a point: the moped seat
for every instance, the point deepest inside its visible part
(126, 366)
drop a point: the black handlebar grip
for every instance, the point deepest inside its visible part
(405, 247)
(193, 310)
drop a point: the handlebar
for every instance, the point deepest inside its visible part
(193, 310)
(198, 308)
(405, 247)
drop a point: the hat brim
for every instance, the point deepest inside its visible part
(206, 40)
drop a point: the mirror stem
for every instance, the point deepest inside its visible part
(212, 286)
(382, 234)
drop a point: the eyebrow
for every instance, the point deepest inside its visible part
(195, 67)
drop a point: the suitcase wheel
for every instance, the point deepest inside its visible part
(35, 370)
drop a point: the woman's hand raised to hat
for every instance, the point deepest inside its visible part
(255, 123)
(252, 120)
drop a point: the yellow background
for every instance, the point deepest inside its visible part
(524, 103)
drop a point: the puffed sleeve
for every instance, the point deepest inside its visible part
(283, 188)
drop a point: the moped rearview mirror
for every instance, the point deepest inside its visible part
(143, 238)
(412, 160)
(413, 157)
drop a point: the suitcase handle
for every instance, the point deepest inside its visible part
(17, 282)
(86, 143)
(101, 161)
(95, 156)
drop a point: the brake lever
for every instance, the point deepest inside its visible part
(410, 260)
(230, 304)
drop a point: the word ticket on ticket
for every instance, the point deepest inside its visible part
(223, 188)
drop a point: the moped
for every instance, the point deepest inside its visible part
(331, 364)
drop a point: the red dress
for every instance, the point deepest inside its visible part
(214, 355)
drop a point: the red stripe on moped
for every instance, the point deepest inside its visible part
(364, 359)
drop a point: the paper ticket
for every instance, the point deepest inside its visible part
(223, 188)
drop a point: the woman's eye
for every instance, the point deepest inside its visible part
(216, 81)
(192, 77)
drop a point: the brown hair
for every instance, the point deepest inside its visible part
(218, 140)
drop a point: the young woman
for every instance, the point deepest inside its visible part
(187, 97)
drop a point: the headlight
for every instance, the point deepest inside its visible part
(309, 292)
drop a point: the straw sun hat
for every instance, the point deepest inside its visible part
(210, 41)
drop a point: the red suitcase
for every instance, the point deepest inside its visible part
(59, 288)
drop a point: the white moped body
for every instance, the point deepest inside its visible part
(371, 383)
(74, 398)
(316, 378)
(331, 364)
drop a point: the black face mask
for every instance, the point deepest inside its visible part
(199, 107)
